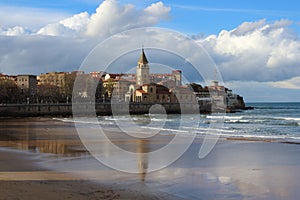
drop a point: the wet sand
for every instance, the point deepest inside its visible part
(42, 158)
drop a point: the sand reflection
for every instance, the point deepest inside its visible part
(142, 158)
(40, 138)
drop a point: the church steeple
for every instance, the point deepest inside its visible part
(142, 70)
(143, 58)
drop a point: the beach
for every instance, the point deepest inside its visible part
(43, 158)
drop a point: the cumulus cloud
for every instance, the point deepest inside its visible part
(15, 31)
(256, 51)
(110, 17)
(70, 26)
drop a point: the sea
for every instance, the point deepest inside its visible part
(275, 121)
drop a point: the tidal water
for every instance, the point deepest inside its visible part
(277, 121)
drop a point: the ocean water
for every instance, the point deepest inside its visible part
(268, 120)
(277, 121)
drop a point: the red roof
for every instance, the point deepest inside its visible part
(142, 91)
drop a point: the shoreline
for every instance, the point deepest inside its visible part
(253, 138)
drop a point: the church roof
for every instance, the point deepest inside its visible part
(142, 91)
(143, 58)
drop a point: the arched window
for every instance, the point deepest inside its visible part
(151, 90)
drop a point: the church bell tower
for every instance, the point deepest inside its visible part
(142, 70)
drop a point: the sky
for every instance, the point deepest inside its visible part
(255, 44)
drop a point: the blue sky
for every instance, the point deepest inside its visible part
(255, 44)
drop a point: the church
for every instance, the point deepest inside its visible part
(155, 88)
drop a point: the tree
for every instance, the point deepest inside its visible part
(48, 93)
(94, 87)
(196, 87)
(109, 87)
(9, 92)
(69, 84)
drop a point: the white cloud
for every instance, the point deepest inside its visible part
(70, 26)
(157, 11)
(248, 27)
(293, 83)
(77, 22)
(15, 31)
(111, 17)
(256, 51)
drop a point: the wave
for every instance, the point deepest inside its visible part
(84, 121)
(289, 121)
(165, 129)
(64, 119)
(264, 125)
(289, 118)
(194, 129)
(224, 117)
(274, 137)
(238, 135)
(161, 120)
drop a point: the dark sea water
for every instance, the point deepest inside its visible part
(278, 121)
(267, 120)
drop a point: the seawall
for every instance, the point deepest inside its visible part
(33, 110)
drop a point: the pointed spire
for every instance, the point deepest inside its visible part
(143, 58)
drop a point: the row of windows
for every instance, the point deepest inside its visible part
(163, 97)
(24, 80)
